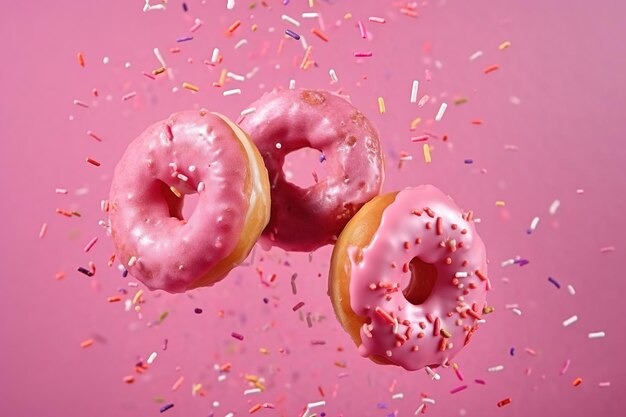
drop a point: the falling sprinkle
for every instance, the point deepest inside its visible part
(376, 19)
(42, 231)
(504, 402)
(290, 20)
(298, 306)
(237, 336)
(442, 110)
(458, 389)
(596, 335)
(333, 76)
(533, 225)
(426, 149)
(166, 407)
(476, 55)
(414, 90)
(292, 34)
(381, 105)
(319, 34)
(191, 87)
(504, 45)
(231, 92)
(86, 343)
(571, 290)
(233, 27)
(577, 382)
(128, 96)
(89, 245)
(491, 68)
(554, 282)
(554, 207)
(362, 54)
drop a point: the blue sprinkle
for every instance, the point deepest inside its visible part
(166, 407)
(184, 39)
(553, 281)
(469, 161)
(292, 34)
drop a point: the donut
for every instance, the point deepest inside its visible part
(190, 152)
(283, 121)
(408, 278)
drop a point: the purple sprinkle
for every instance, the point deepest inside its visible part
(480, 381)
(266, 300)
(124, 273)
(458, 389)
(85, 271)
(197, 310)
(521, 262)
(512, 351)
(322, 158)
(292, 34)
(185, 8)
(382, 406)
(318, 342)
(166, 407)
(298, 306)
(553, 281)
(185, 39)
(285, 2)
(237, 336)
(165, 341)
(469, 161)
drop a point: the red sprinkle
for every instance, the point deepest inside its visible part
(93, 162)
(504, 402)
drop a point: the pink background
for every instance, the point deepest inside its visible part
(564, 70)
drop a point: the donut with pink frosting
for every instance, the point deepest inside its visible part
(190, 152)
(287, 120)
(408, 278)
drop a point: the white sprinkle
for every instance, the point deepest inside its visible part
(303, 42)
(460, 274)
(252, 391)
(333, 76)
(128, 304)
(279, 145)
(497, 368)
(241, 43)
(309, 15)
(221, 378)
(248, 111)
(397, 396)
(419, 409)
(414, 89)
(192, 168)
(215, 55)
(534, 223)
(231, 92)
(571, 290)
(596, 335)
(554, 207)
(375, 19)
(290, 20)
(292, 84)
(182, 177)
(476, 55)
(315, 405)
(580, 191)
(200, 186)
(105, 60)
(252, 73)
(569, 321)
(60, 191)
(442, 110)
(435, 376)
(508, 262)
(229, 414)
(132, 261)
(159, 57)
(235, 77)
(430, 401)
(230, 4)
(517, 311)
(604, 384)
(151, 358)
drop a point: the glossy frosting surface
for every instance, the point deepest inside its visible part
(187, 153)
(425, 223)
(287, 120)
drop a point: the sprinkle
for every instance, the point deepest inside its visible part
(577, 382)
(93, 161)
(128, 96)
(426, 149)
(434, 375)
(383, 314)
(374, 19)
(252, 391)
(414, 89)
(439, 226)
(255, 408)
(476, 55)
(197, 25)
(191, 87)
(215, 56)
(319, 34)
(419, 409)
(129, 379)
(446, 333)
(427, 400)
(151, 358)
(571, 290)
(184, 39)
(362, 54)
(491, 68)
(480, 275)
(497, 368)
(381, 105)
(596, 335)
(290, 20)
(248, 111)
(231, 92)
(81, 104)
(230, 4)
(175, 191)
(197, 310)
(504, 402)
(292, 34)
(397, 396)
(554, 282)
(42, 231)
(565, 367)
(607, 249)
(85, 271)
(311, 406)
(362, 29)
(241, 43)
(457, 371)
(237, 336)
(554, 207)
(533, 225)
(89, 245)
(81, 59)
(480, 381)
(166, 407)
(309, 15)
(298, 306)
(500, 203)
(421, 138)
(442, 110)
(294, 290)
(200, 186)
(333, 76)
(235, 77)
(604, 384)
(137, 296)
(458, 389)
(517, 311)
(233, 27)
(86, 343)
(504, 45)
(423, 100)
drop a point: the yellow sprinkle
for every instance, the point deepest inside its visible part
(347, 16)
(195, 388)
(311, 3)
(415, 122)
(381, 105)
(251, 378)
(222, 79)
(254, 27)
(264, 351)
(427, 153)
(192, 88)
(259, 386)
(500, 203)
(504, 45)
(137, 296)
(175, 191)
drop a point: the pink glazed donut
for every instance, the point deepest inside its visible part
(408, 278)
(191, 152)
(287, 120)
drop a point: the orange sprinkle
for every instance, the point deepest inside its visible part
(307, 57)
(191, 87)
(255, 408)
(577, 382)
(222, 79)
(415, 122)
(81, 59)
(408, 12)
(491, 68)
(93, 161)
(86, 343)
(476, 122)
(158, 71)
(114, 299)
(319, 34)
(129, 379)
(504, 45)
(480, 275)
(59, 275)
(382, 313)
(233, 27)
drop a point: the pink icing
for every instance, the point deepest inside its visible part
(188, 151)
(305, 219)
(427, 213)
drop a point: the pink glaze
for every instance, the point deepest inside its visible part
(288, 120)
(146, 220)
(445, 310)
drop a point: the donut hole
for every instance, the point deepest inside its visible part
(190, 201)
(421, 282)
(182, 207)
(305, 167)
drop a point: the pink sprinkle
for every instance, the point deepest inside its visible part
(362, 54)
(580, 191)
(428, 75)
(419, 138)
(93, 135)
(129, 96)
(458, 373)
(90, 244)
(480, 381)
(147, 74)
(196, 26)
(565, 367)
(42, 231)
(607, 249)
(458, 389)
(81, 104)
(298, 306)
(362, 29)
(237, 336)
(423, 100)
(60, 191)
